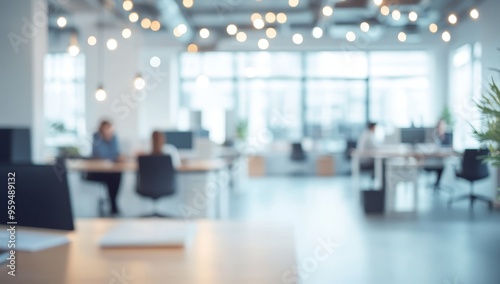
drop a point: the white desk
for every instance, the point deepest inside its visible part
(397, 152)
(203, 184)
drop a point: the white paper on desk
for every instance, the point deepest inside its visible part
(32, 241)
(147, 233)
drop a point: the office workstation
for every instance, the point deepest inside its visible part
(300, 141)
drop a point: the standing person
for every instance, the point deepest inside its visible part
(368, 140)
(105, 146)
(160, 147)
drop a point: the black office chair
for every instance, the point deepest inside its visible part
(298, 156)
(298, 153)
(156, 178)
(473, 169)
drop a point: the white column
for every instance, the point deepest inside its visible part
(23, 42)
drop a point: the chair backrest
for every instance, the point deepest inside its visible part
(473, 166)
(298, 153)
(40, 193)
(156, 176)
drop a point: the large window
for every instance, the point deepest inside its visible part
(310, 94)
(64, 99)
(400, 89)
(465, 87)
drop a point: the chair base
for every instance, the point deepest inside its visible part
(155, 215)
(473, 198)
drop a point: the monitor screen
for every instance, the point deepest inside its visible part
(15, 145)
(413, 135)
(182, 140)
(39, 194)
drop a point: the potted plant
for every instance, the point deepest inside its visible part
(489, 134)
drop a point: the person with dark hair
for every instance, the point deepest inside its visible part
(105, 146)
(160, 147)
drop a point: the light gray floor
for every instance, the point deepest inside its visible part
(435, 245)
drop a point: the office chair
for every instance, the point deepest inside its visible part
(297, 156)
(472, 170)
(156, 178)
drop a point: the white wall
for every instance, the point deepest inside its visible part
(23, 42)
(135, 114)
(483, 30)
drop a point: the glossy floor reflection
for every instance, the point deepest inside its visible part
(434, 245)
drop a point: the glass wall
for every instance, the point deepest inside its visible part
(309, 94)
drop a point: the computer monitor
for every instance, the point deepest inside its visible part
(15, 145)
(413, 135)
(40, 196)
(203, 133)
(182, 140)
(448, 140)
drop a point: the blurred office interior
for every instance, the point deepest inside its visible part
(267, 104)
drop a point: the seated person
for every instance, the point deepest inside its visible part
(442, 138)
(368, 142)
(105, 146)
(160, 147)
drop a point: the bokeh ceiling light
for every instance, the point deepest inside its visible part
(127, 5)
(155, 61)
(232, 29)
(271, 32)
(155, 25)
(384, 10)
(188, 3)
(241, 36)
(364, 26)
(452, 19)
(297, 39)
(293, 3)
(402, 37)
(281, 18)
(317, 32)
(204, 33)
(263, 44)
(474, 14)
(61, 22)
(446, 36)
(413, 16)
(111, 44)
(433, 28)
(126, 33)
(146, 23)
(133, 17)
(350, 36)
(327, 11)
(92, 40)
(258, 24)
(270, 17)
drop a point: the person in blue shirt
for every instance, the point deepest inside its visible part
(105, 146)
